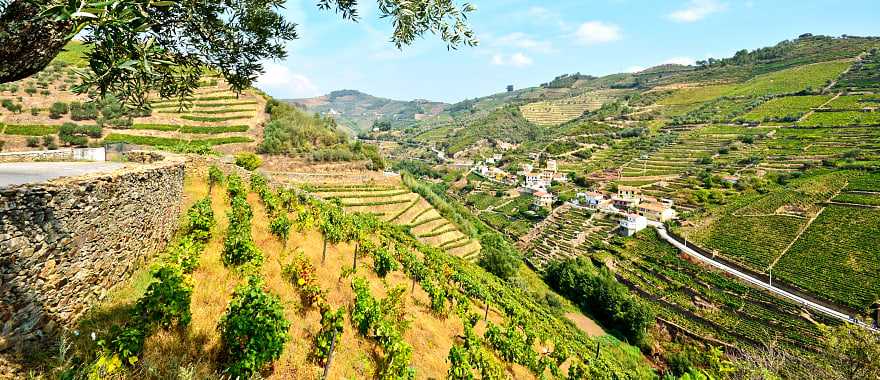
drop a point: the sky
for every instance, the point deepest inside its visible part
(529, 42)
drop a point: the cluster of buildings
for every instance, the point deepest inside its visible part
(637, 209)
(538, 182)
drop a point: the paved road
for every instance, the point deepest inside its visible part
(16, 173)
(757, 282)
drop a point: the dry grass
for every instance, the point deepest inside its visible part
(195, 349)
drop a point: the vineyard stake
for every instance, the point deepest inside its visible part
(598, 343)
(330, 356)
(486, 313)
(413, 289)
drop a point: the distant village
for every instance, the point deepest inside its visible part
(635, 210)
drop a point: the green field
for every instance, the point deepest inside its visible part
(837, 257)
(789, 108)
(841, 119)
(171, 142)
(809, 77)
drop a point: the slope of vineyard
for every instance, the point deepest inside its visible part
(397, 204)
(552, 112)
(431, 304)
(37, 106)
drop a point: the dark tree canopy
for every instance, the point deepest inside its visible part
(164, 46)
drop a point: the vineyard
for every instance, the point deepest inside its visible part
(375, 304)
(710, 304)
(568, 234)
(837, 257)
(37, 106)
(785, 109)
(554, 112)
(396, 204)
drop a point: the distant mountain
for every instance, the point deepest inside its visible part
(357, 111)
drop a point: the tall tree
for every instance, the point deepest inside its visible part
(139, 46)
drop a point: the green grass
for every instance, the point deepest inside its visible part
(212, 111)
(191, 129)
(693, 95)
(30, 130)
(862, 199)
(73, 54)
(837, 257)
(841, 119)
(855, 102)
(170, 142)
(815, 77)
(789, 108)
(210, 119)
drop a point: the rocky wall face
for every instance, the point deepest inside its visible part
(65, 244)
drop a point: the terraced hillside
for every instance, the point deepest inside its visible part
(428, 306)
(36, 107)
(569, 233)
(396, 204)
(810, 234)
(553, 112)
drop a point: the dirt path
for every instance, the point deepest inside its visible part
(806, 115)
(586, 325)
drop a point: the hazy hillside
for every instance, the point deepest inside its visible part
(357, 111)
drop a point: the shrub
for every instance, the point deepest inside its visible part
(215, 177)
(33, 142)
(498, 257)
(74, 134)
(58, 109)
(186, 254)
(201, 220)
(248, 161)
(83, 111)
(234, 186)
(166, 301)
(331, 327)
(253, 331)
(280, 227)
(49, 142)
(35, 111)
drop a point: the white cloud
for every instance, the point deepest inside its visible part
(522, 41)
(680, 61)
(697, 10)
(286, 82)
(516, 60)
(597, 32)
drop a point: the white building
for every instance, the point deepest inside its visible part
(551, 165)
(543, 199)
(536, 180)
(590, 199)
(632, 223)
(657, 211)
(496, 157)
(527, 168)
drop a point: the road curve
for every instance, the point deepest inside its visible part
(761, 284)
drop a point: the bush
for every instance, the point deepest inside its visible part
(253, 331)
(49, 142)
(166, 301)
(596, 290)
(58, 109)
(248, 161)
(83, 111)
(77, 135)
(498, 257)
(33, 142)
(201, 220)
(215, 176)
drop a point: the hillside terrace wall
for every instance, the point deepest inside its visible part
(65, 243)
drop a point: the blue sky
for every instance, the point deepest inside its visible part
(528, 42)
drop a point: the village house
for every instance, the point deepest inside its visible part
(551, 165)
(543, 199)
(627, 197)
(632, 223)
(590, 199)
(497, 157)
(536, 181)
(526, 168)
(657, 211)
(505, 146)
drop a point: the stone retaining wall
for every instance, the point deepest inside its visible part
(65, 243)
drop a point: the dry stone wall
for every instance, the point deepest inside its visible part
(64, 244)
